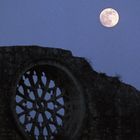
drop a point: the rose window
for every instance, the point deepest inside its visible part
(48, 103)
(40, 106)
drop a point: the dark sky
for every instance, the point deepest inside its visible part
(74, 25)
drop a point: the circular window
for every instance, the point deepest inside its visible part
(47, 102)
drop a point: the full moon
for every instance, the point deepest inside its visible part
(109, 17)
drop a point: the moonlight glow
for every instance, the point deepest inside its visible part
(109, 17)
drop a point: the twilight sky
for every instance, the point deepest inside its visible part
(74, 25)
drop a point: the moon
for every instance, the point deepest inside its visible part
(109, 17)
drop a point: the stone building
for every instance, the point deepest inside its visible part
(49, 94)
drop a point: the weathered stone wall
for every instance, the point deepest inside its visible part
(112, 108)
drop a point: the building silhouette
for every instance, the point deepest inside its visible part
(49, 94)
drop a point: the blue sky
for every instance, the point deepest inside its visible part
(74, 25)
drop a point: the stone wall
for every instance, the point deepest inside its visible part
(108, 108)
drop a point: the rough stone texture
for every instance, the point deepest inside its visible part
(112, 108)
